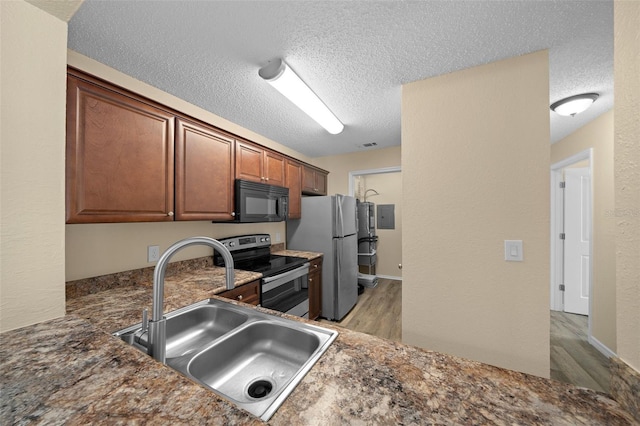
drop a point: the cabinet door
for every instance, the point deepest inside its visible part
(308, 180)
(314, 181)
(204, 173)
(321, 182)
(315, 289)
(119, 157)
(293, 180)
(274, 168)
(249, 162)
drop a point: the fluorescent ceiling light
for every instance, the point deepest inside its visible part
(574, 104)
(280, 76)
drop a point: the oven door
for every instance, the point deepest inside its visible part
(288, 292)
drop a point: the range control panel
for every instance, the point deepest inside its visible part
(246, 241)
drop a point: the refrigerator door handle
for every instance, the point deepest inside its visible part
(337, 275)
(340, 216)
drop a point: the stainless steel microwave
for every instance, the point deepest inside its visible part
(259, 202)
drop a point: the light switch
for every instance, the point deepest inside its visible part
(513, 250)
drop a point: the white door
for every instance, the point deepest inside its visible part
(577, 229)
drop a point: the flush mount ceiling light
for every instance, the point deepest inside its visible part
(574, 104)
(280, 76)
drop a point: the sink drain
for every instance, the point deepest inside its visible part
(260, 389)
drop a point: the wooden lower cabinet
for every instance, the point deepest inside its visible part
(315, 288)
(247, 293)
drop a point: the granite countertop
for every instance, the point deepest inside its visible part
(310, 255)
(114, 309)
(71, 370)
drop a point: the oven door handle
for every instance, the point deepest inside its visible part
(269, 283)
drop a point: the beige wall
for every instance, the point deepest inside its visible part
(98, 249)
(599, 135)
(475, 162)
(389, 185)
(104, 248)
(389, 247)
(107, 73)
(627, 178)
(339, 166)
(32, 165)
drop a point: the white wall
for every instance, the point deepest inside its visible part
(476, 173)
(33, 89)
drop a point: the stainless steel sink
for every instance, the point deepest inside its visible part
(189, 328)
(249, 357)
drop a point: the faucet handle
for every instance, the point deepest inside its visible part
(145, 319)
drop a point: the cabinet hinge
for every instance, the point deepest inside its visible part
(562, 236)
(561, 287)
(562, 185)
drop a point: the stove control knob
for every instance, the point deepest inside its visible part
(266, 239)
(232, 244)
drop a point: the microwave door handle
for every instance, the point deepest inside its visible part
(281, 207)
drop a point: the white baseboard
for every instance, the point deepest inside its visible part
(601, 347)
(389, 277)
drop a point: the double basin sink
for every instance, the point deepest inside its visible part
(249, 357)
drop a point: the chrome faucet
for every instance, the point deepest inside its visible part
(157, 347)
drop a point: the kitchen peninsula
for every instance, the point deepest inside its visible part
(71, 370)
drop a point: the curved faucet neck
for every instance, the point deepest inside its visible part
(161, 268)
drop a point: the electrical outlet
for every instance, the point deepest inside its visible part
(277, 237)
(153, 253)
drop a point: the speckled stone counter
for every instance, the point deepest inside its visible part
(310, 255)
(72, 371)
(117, 308)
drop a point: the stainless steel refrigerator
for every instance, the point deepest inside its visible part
(329, 226)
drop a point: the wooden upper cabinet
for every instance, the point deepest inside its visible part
(119, 156)
(204, 164)
(274, 166)
(314, 181)
(249, 162)
(258, 164)
(293, 181)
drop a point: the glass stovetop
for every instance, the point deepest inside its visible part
(262, 261)
(270, 265)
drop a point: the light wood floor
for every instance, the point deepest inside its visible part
(378, 311)
(573, 360)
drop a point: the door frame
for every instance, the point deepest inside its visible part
(557, 213)
(354, 173)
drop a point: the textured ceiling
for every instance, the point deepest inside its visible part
(354, 55)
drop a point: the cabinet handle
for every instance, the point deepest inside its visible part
(233, 213)
(267, 179)
(239, 297)
(170, 214)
